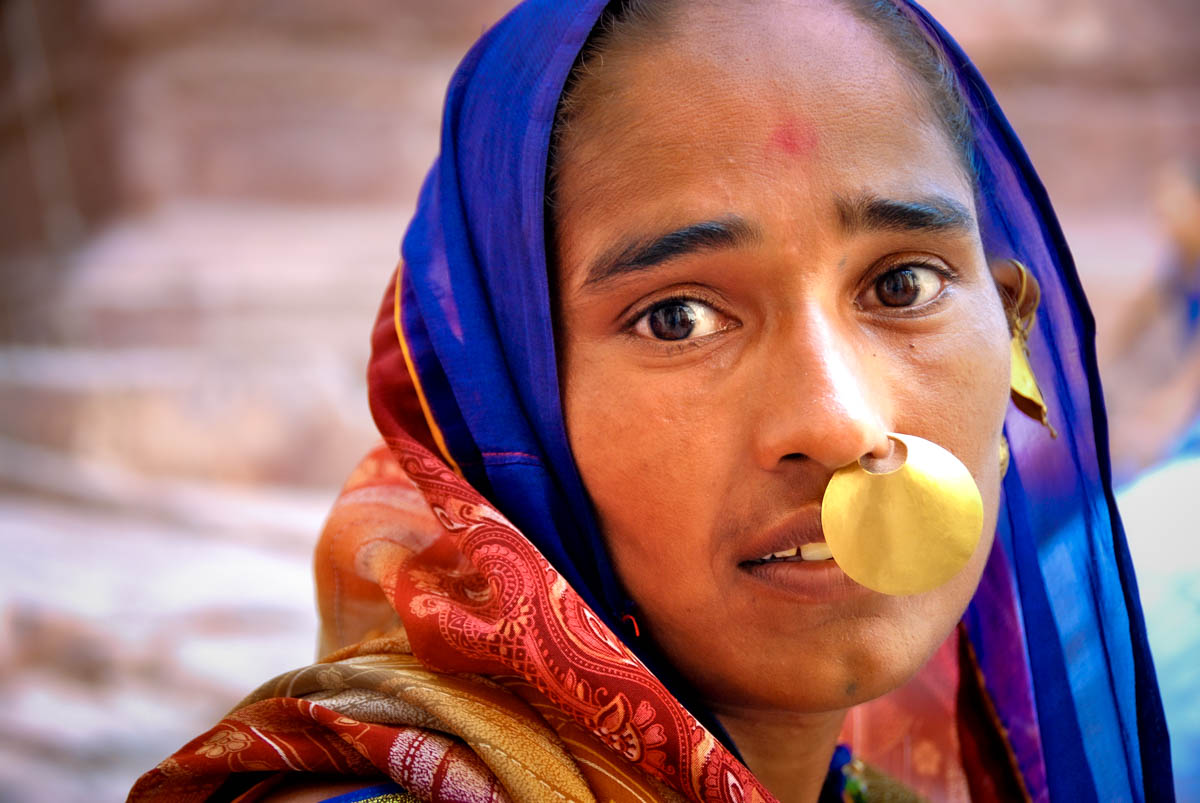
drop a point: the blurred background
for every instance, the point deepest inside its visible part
(201, 204)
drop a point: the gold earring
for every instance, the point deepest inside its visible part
(1026, 394)
(1003, 455)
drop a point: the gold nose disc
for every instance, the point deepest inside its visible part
(904, 530)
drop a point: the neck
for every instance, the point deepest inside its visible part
(789, 753)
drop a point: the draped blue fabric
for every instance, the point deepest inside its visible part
(475, 266)
(1074, 576)
(476, 312)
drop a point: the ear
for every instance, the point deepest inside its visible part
(1020, 293)
(1019, 290)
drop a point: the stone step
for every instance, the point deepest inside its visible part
(123, 635)
(251, 418)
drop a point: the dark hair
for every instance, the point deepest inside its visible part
(638, 23)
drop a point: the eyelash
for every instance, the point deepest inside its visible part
(947, 274)
(631, 321)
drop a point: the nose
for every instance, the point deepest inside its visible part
(828, 402)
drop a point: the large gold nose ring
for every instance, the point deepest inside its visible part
(905, 524)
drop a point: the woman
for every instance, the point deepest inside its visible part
(676, 266)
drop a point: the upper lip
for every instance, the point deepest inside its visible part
(800, 527)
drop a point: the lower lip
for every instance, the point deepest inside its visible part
(807, 580)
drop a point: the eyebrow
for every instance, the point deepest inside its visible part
(710, 235)
(930, 213)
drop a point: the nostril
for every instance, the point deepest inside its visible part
(894, 459)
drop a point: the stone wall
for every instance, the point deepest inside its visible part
(202, 203)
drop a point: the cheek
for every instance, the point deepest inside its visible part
(641, 443)
(957, 396)
(958, 387)
(956, 392)
(970, 391)
(985, 388)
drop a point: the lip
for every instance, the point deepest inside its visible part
(805, 581)
(809, 581)
(800, 528)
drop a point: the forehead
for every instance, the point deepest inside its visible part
(773, 97)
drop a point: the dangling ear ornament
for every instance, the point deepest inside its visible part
(1026, 395)
(907, 528)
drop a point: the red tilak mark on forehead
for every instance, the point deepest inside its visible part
(793, 138)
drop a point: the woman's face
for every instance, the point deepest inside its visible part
(768, 259)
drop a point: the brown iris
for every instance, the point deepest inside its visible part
(672, 321)
(898, 288)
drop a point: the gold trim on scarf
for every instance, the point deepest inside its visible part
(434, 429)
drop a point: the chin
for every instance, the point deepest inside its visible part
(886, 659)
(863, 659)
(857, 658)
(881, 654)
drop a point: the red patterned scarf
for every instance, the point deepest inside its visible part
(474, 598)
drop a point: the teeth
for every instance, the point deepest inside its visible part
(817, 551)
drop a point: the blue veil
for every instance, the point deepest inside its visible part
(473, 302)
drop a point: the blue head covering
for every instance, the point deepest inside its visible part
(472, 303)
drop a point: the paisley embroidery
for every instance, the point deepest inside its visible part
(484, 614)
(504, 610)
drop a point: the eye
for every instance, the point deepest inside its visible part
(907, 286)
(679, 319)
